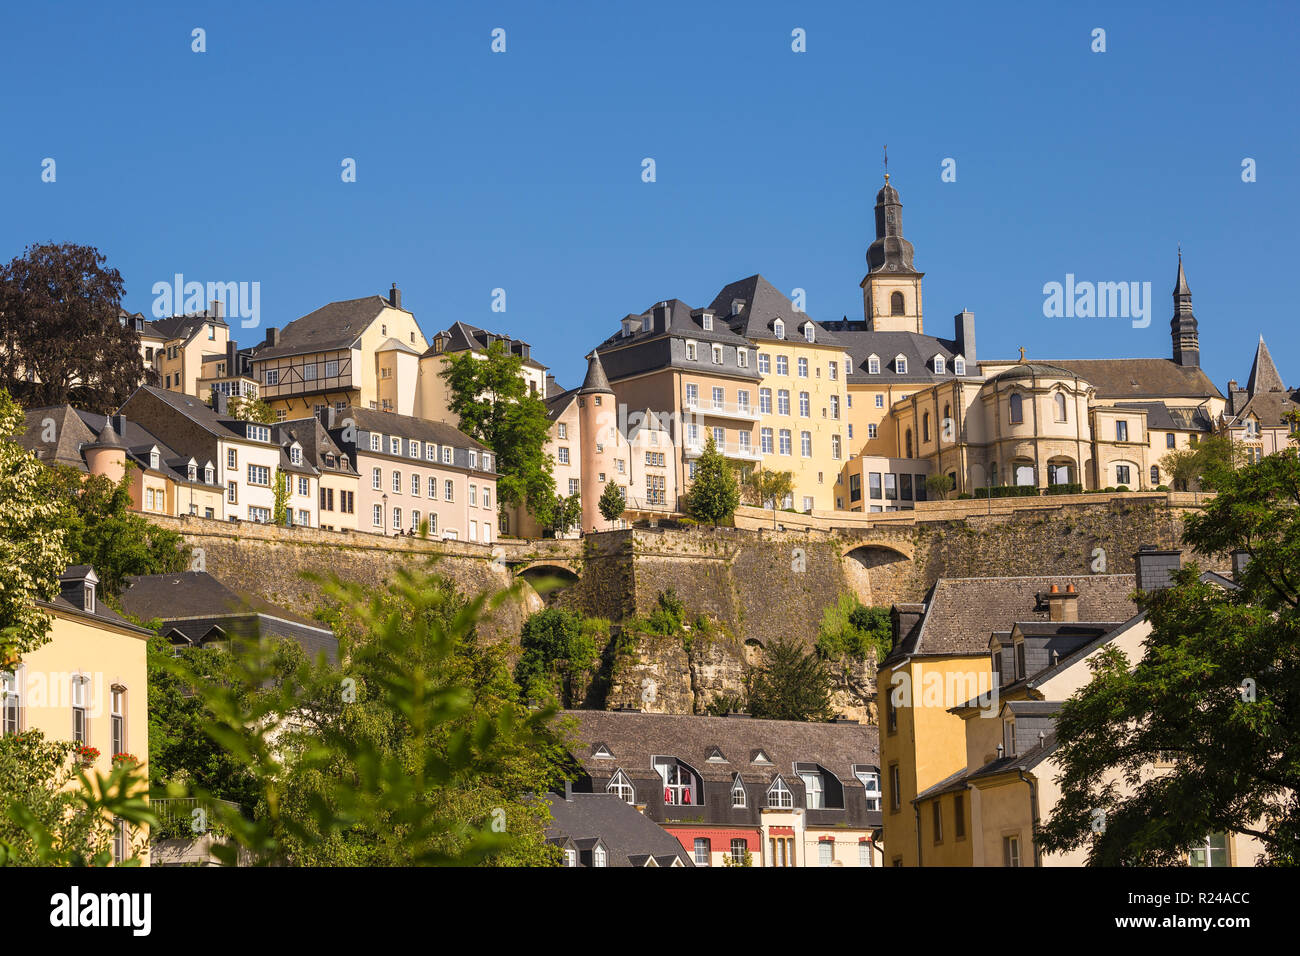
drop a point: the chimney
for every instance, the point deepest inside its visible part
(1063, 606)
(964, 327)
(119, 425)
(395, 297)
(1155, 568)
(273, 336)
(215, 310)
(1240, 559)
(220, 402)
(660, 316)
(568, 791)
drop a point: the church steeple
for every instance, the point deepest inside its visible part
(891, 290)
(1182, 327)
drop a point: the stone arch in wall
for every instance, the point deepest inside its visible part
(557, 575)
(877, 571)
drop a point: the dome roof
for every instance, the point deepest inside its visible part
(1035, 370)
(887, 194)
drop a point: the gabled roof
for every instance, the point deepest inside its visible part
(70, 434)
(461, 337)
(629, 837)
(761, 305)
(408, 426)
(331, 327)
(184, 326)
(140, 442)
(961, 613)
(918, 349)
(316, 444)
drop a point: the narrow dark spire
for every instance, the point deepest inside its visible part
(108, 437)
(1182, 327)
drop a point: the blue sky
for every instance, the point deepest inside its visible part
(522, 170)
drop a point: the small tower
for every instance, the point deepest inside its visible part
(1182, 327)
(891, 290)
(598, 429)
(106, 455)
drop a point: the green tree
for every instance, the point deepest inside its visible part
(938, 487)
(33, 545)
(851, 629)
(418, 752)
(494, 405)
(564, 514)
(64, 338)
(790, 684)
(714, 494)
(247, 409)
(559, 650)
(763, 485)
(1189, 468)
(101, 530)
(1217, 691)
(281, 513)
(53, 814)
(612, 502)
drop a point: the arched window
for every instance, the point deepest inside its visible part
(1060, 406)
(908, 443)
(1017, 409)
(738, 792)
(925, 427)
(896, 304)
(1155, 475)
(809, 332)
(778, 329)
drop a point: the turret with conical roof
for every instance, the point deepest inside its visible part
(600, 439)
(596, 381)
(1264, 376)
(106, 455)
(1182, 327)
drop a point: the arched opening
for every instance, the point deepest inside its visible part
(907, 442)
(1017, 409)
(877, 574)
(1022, 472)
(1061, 470)
(896, 305)
(925, 427)
(549, 580)
(1059, 400)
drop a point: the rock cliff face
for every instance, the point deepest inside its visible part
(758, 585)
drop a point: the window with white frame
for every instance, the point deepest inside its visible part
(397, 519)
(873, 364)
(802, 367)
(742, 358)
(415, 486)
(375, 442)
(621, 787)
(692, 351)
(259, 475)
(765, 401)
(958, 365)
(598, 856)
(825, 853)
(778, 329)
(377, 517)
(446, 455)
(681, 785)
(117, 721)
(938, 365)
(433, 487)
(717, 354)
(448, 490)
(805, 444)
(702, 851)
(782, 402)
(813, 787)
(562, 454)
(376, 479)
(784, 438)
(11, 707)
(900, 364)
(397, 482)
(764, 363)
(765, 441)
(80, 709)
(738, 798)
(869, 777)
(782, 365)
(779, 796)
(809, 332)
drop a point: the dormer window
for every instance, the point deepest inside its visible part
(958, 365)
(706, 320)
(155, 460)
(209, 474)
(869, 777)
(295, 455)
(1009, 737)
(621, 787)
(738, 799)
(88, 597)
(716, 756)
(692, 351)
(736, 306)
(192, 471)
(900, 364)
(939, 365)
(601, 752)
(598, 856)
(873, 364)
(778, 329)
(759, 756)
(809, 332)
(779, 796)
(681, 784)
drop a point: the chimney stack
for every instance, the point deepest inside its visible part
(1154, 568)
(272, 336)
(964, 322)
(215, 310)
(1063, 606)
(220, 402)
(395, 297)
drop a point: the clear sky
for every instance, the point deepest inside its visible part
(522, 170)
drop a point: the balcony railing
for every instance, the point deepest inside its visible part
(728, 450)
(721, 409)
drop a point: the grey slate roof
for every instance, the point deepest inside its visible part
(634, 738)
(1264, 376)
(629, 837)
(918, 349)
(1160, 415)
(333, 326)
(139, 442)
(961, 613)
(70, 434)
(1141, 378)
(184, 326)
(194, 602)
(409, 426)
(461, 337)
(762, 305)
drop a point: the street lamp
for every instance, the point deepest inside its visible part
(383, 519)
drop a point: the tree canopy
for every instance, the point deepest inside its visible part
(714, 494)
(1213, 704)
(612, 502)
(63, 339)
(495, 406)
(762, 485)
(790, 684)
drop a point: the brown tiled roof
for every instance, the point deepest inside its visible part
(961, 613)
(634, 739)
(1140, 378)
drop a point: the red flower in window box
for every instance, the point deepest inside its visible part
(87, 754)
(124, 758)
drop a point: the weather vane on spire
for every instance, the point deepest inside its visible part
(886, 162)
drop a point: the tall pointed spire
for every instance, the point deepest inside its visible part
(1264, 376)
(1182, 327)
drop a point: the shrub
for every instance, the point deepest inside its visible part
(1068, 488)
